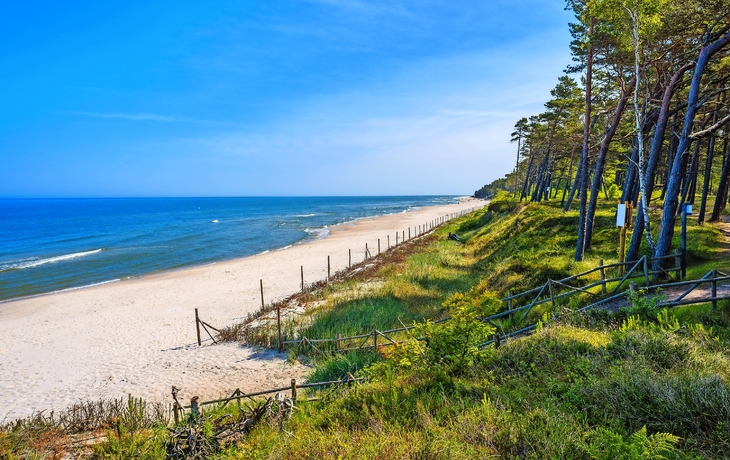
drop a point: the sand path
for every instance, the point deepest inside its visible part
(138, 336)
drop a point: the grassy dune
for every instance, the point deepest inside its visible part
(638, 383)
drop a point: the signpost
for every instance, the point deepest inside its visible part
(623, 221)
(686, 211)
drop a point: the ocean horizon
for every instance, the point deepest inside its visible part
(56, 244)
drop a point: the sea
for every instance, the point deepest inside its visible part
(50, 245)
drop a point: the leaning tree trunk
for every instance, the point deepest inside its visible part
(601, 161)
(722, 187)
(653, 160)
(526, 184)
(666, 231)
(583, 173)
(708, 171)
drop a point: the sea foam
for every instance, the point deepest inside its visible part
(34, 261)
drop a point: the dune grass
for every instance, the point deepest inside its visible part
(637, 383)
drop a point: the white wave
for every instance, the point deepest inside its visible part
(305, 215)
(214, 221)
(318, 233)
(34, 262)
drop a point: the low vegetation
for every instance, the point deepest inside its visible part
(639, 382)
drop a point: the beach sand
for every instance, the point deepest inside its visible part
(138, 336)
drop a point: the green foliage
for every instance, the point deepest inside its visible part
(503, 202)
(337, 366)
(454, 343)
(605, 444)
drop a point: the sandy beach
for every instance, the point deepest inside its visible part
(138, 336)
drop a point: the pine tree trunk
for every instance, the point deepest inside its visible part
(671, 203)
(601, 162)
(722, 187)
(583, 185)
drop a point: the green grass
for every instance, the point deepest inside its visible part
(597, 385)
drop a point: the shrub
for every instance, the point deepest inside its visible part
(503, 202)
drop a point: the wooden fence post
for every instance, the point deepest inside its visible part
(367, 251)
(678, 265)
(375, 340)
(328, 268)
(261, 284)
(603, 276)
(378, 246)
(388, 241)
(278, 328)
(349, 258)
(302, 279)
(337, 342)
(293, 389)
(714, 290)
(552, 296)
(197, 326)
(403, 239)
(509, 304)
(396, 238)
(194, 408)
(409, 233)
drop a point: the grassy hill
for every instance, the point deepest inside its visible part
(637, 383)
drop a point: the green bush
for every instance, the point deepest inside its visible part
(503, 202)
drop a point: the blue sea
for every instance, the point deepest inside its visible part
(49, 245)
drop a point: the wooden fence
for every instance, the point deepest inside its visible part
(551, 292)
(712, 278)
(400, 238)
(237, 395)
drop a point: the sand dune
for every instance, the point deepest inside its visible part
(138, 336)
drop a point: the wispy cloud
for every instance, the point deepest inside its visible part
(130, 116)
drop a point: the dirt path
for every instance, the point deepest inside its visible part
(702, 291)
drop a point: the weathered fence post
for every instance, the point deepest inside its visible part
(552, 295)
(197, 326)
(403, 239)
(337, 342)
(328, 268)
(278, 328)
(293, 389)
(633, 288)
(375, 340)
(378, 246)
(349, 258)
(396, 238)
(714, 290)
(302, 279)
(509, 304)
(176, 412)
(367, 251)
(194, 409)
(388, 241)
(603, 276)
(261, 284)
(678, 265)
(409, 233)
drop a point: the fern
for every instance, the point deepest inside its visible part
(602, 443)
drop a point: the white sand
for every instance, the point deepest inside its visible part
(138, 336)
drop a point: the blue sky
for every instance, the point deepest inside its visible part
(303, 97)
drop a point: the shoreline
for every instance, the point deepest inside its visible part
(309, 238)
(137, 336)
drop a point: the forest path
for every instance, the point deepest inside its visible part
(703, 291)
